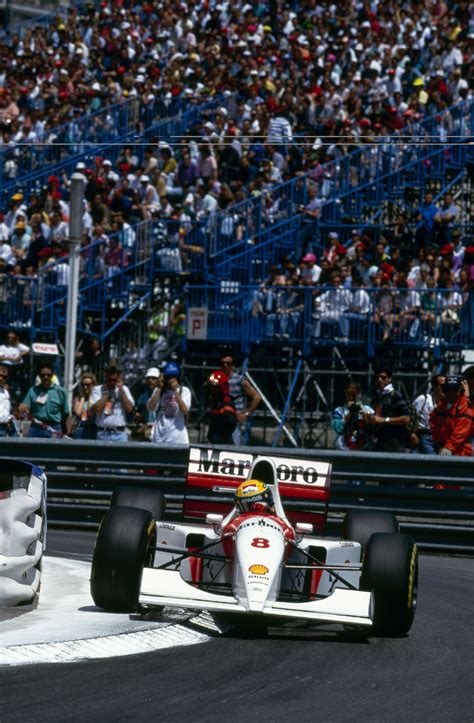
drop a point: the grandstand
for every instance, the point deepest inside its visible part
(364, 150)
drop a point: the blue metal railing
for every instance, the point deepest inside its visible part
(307, 317)
(354, 186)
(120, 273)
(18, 298)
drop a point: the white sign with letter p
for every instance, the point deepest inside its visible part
(197, 322)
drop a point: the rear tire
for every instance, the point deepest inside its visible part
(152, 501)
(121, 551)
(360, 525)
(390, 571)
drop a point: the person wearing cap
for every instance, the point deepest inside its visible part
(451, 421)
(21, 237)
(310, 272)
(171, 402)
(142, 415)
(111, 403)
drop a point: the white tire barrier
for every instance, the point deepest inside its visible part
(22, 531)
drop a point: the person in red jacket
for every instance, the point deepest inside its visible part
(451, 420)
(468, 386)
(223, 415)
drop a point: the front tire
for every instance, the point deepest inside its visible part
(142, 498)
(390, 571)
(360, 525)
(121, 550)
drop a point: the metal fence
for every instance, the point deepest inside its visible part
(436, 319)
(356, 185)
(82, 476)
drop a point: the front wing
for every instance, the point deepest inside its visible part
(167, 587)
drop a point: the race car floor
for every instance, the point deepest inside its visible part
(65, 625)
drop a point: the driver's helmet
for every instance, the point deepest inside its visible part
(253, 496)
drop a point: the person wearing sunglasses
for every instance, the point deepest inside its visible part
(243, 395)
(7, 425)
(46, 403)
(392, 415)
(84, 421)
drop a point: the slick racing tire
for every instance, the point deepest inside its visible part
(360, 525)
(152, 501)
(123, 546)
(390, 571)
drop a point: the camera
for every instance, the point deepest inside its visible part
(355, 409)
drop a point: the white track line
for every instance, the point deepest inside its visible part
(66, 626)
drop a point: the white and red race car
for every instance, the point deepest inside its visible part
(256, 567)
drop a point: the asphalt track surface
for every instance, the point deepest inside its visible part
(304, 675)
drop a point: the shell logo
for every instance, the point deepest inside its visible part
(258, 569)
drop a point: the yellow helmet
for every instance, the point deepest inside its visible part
(250, 492)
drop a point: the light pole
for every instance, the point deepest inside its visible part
(76, 212)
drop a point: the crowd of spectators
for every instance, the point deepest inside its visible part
(406, 287)
(363, 67)
(339, 75)
(440, 421)
(301, 84)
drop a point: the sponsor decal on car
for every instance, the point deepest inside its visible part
(258, 569)
(235, 465)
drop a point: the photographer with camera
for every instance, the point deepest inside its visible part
(348, 421)
(171, 402)
(111, 402)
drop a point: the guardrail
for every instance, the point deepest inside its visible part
(82, 476)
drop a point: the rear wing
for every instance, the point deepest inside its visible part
(213, 475)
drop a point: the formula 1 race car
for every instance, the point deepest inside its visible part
(249, 561)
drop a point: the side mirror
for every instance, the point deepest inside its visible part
(304, 528)
(212, 519)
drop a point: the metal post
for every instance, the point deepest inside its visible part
(76, 213)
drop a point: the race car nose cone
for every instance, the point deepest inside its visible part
(260, 547)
